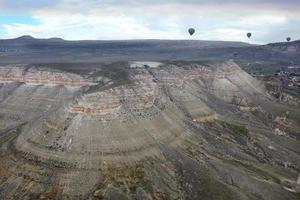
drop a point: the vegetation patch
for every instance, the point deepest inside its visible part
(236, 128)
(253, 169)
(127, 178)
(100, 87)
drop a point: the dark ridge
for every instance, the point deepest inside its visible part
(25, 37)
(27, 49)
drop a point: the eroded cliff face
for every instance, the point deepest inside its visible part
(139, 93)
(178, 130)
(33, 75)
(144, 86)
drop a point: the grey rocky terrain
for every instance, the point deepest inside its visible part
(144, 130)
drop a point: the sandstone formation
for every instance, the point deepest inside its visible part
(138, 95)
(173, 130)
(40, 76)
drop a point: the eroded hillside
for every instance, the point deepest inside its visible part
(145, 130)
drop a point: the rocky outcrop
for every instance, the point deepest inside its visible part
(40, 76)
(176, 76)
(140, 94)
(146, 81)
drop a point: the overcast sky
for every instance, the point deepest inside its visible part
(268, 20)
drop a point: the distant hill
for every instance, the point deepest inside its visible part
(27, 49)
(286, 47)
(284, 51)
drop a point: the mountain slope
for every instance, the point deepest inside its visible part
(164, 130)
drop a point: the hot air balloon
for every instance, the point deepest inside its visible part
(249, 35)
(191, 31)
(288, 39)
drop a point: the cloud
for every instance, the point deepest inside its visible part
(95, 25)
(128, 19)
(23, 6)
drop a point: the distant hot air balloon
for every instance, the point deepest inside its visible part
(249, 35)
(191, 31)
(288, 39)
